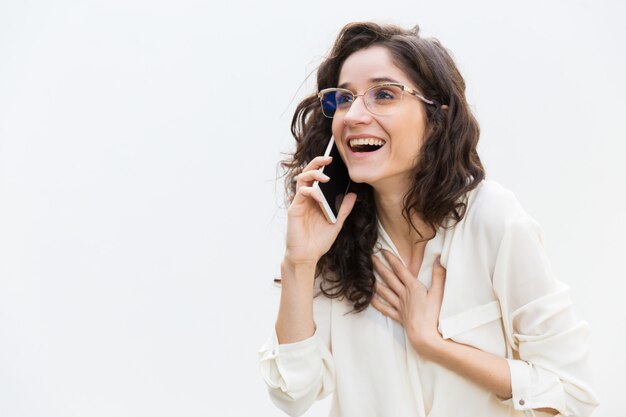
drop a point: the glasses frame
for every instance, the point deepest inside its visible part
(404, 88)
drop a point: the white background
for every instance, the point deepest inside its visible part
(140, 217)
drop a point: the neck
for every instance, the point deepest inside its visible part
(389, 205)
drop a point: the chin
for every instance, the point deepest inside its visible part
(361, 177)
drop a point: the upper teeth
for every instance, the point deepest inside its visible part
(367, 141)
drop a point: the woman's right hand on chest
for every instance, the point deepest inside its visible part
(309, 234)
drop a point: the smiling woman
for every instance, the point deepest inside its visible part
(381, 118)
(433, 281)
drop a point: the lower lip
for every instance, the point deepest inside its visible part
(363, 155)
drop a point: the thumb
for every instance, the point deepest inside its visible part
(346, 207)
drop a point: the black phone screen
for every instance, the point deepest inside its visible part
(335, 189)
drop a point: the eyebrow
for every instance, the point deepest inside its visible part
(373, 81)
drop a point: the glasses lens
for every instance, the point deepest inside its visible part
(383, 99)
(335, 100)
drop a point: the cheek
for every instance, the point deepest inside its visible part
(337, 131)
(414, 132)
(337, 128)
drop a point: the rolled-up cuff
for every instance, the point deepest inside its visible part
(291, 367)
(532, 390)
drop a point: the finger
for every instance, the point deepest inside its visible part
(438, 281)
(346, 207)
(306, 178)
(401, 271)
(317, 163)
(305, 192)
(313, 167)
(385, 309)
(387, 295)
(310, 176)
(388, 276)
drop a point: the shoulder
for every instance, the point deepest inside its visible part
(490, 200)
(492, 210)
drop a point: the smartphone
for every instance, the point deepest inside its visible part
(336, 188)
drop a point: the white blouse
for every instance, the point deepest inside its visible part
(500, 296)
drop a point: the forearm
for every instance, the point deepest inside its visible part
(295, 313)
(486, 369)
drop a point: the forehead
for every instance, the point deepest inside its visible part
(366, 65)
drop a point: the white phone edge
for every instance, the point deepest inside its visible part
(328, 213)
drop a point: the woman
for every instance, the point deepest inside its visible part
(367, 310)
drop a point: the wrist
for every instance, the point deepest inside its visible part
(432, 348)
(292, 264)
(290, 268)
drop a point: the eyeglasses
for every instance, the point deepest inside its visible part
(382, 99)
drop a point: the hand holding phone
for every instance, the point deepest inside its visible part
(334, 190)
(313, 223)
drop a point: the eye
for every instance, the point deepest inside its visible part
(343, 98)
(384, 94)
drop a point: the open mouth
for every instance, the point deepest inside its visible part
(366, 144)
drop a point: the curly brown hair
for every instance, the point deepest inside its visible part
(447, 168)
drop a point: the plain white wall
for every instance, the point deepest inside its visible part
(140, 220)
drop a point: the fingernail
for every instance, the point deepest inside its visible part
(326, 177)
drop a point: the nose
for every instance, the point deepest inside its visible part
(357, 113)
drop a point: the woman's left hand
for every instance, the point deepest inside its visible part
(406, 300)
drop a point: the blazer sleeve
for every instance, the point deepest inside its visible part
(548, 344)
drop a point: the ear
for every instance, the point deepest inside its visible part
(444, 106)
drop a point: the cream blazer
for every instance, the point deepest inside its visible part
(500, 296)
